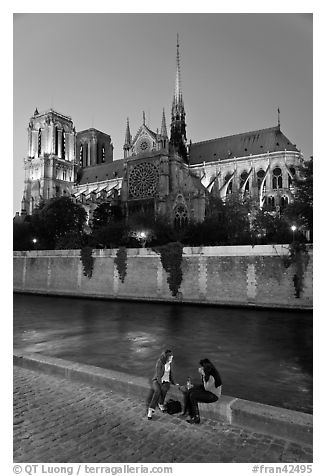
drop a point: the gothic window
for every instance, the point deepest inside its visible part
(86, 155)
(56, 141)
(64, 175)
(227, 177)
(260, 177)
(180, 216)
(143, 181)
(63, 146)
(277, 178)
(243, 180)
(81, 155)
(284, 202)
(271, 203)
(39, 146)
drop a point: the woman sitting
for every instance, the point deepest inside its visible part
(208, 392)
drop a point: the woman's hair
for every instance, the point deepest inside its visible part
(165, 355)
(209, 369)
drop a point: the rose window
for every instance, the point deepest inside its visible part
(143, 181)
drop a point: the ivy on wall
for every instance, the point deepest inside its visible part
(121, 262)
(87, 260)
(298, 256)
(171, 259)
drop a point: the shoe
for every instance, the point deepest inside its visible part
(162, 408)
(150, 413)
(194, 420)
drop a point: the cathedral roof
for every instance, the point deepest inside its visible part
(99, 173)
(143, 129)
(240, 145)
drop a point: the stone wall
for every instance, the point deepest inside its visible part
(225, 275)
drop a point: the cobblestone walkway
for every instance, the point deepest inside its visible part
(60, 421)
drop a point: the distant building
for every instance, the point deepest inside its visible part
(158, 174)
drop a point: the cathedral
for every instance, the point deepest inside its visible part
(160, 173)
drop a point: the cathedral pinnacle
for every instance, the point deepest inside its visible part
(163, 126)
(128, 135)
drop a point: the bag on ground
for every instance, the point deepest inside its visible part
(173, 406)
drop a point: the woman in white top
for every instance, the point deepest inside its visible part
(208, 392)
(162, 379)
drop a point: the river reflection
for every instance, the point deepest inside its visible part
(262, 355)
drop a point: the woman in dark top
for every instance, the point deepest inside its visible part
(208, 392)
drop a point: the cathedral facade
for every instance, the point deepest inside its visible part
(160, 173)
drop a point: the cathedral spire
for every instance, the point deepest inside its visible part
(178, 124)
(177, 90)
(128, 135)
(127, 144)
(163, 126)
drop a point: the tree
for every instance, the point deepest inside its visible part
(22, 236)
(270, 228)
(236, 219)
(57, 218)
(113, 235)
(300, 212)
(104, 214)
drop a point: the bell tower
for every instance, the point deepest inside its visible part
(50, 162)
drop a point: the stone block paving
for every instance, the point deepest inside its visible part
(57, 420)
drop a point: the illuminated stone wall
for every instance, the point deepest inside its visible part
(229, 275)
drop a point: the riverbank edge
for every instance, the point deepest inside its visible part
(273, 421)
(247, 305)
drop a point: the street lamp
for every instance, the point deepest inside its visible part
(142, 238)
(34, 240)
(293, 228)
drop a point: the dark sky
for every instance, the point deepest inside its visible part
(236, 70)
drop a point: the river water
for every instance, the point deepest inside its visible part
(262, 355)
